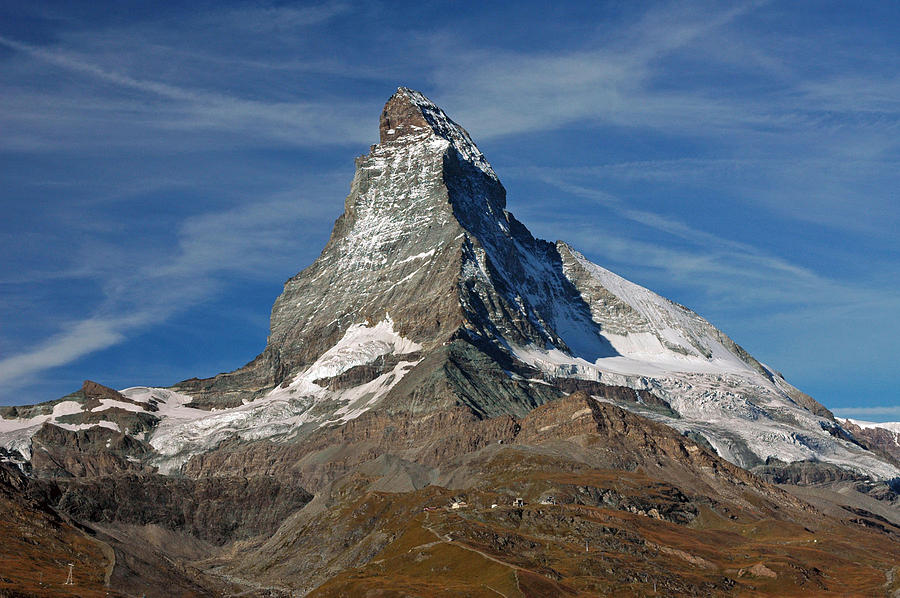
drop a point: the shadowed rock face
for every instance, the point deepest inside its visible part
(804, 473)
(216, 510)
(95, 451)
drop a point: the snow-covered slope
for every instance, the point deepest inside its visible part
(889, 426)
(656, 336)
(747, 412)
(304, 402)
(16, 433)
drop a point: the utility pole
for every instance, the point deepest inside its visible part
(69, 580)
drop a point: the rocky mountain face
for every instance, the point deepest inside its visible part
(437, 352)
(882, 439)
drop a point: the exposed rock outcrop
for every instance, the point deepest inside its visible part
(879, 440)
(95, 451)
(804, 473)
(326, 455)
(214, 509)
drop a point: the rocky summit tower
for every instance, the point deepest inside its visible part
(425, 242)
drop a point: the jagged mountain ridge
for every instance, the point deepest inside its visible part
(429, 294)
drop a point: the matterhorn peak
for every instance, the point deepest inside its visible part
(437, 351)
(410, 117)
(403, 115)
(430, 295)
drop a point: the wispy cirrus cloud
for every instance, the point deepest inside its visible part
(80, 338)
(824, 189)
(263, 19)
(750, 284)
(172, 108)
(802, 123)
(504, 93)
(254, 240)
(742, 273)
(108, 99)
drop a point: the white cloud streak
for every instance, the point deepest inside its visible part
(739, 272)
(505, 93)
(186, 109)
(269, 19)
(80, 339)
(254, 240)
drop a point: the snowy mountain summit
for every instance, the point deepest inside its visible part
(431, 295)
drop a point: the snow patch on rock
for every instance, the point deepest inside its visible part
(102, 424)
(285, 410)
(889, 426)
(16, 433)
(359, 345)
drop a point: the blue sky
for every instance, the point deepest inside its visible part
(164, 167)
